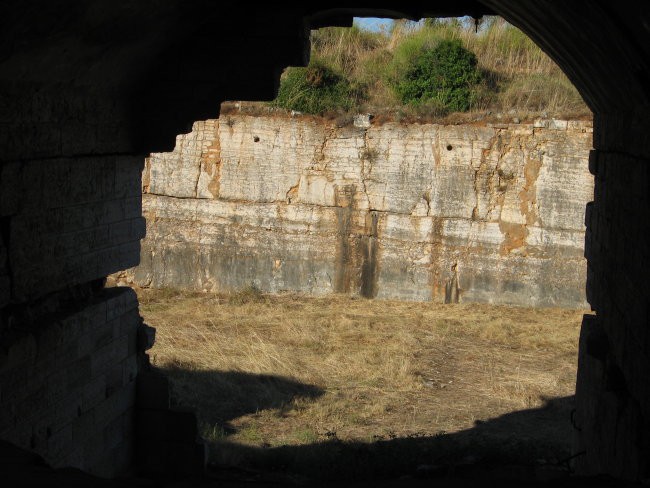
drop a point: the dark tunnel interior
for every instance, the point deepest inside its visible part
(87, 88)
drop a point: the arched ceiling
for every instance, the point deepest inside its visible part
(165, 64)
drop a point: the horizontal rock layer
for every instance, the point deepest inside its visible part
(491, 213)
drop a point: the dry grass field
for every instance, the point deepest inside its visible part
(311, 383)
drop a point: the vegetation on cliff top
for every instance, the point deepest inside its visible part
(429, 68)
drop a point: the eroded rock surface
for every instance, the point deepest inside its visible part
(485, 212)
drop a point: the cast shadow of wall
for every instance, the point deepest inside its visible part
(523, 438)
(221, 396)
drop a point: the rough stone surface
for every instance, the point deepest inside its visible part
(387, 210)
(613, 393)
(68, 385)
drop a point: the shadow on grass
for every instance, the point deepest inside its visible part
(525, 439)
(521, 440)
(221, 396)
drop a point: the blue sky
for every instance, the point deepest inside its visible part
(373, 23)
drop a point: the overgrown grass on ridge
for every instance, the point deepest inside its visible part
(519, 76)
(267, 371)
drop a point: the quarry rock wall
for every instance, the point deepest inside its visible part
(484, 212)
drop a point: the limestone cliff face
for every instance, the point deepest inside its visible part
(490, 213)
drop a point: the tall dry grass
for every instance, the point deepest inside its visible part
(291, 370)
(519, 76)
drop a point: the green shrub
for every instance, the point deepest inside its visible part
(447, 74)
(421, 70)
(316, 89)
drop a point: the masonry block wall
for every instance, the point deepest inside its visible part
(69, 355)
(69, 385)
(87, 88)
(613, 392)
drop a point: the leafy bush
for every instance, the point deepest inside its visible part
(316, 89)
(447, 74)
(354, 69)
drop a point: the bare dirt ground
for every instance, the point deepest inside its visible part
(348, 388)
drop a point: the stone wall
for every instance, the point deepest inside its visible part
(484, 212)
(68, 361)
(612, 392)
(68, 220)
(69, 385)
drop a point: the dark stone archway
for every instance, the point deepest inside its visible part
(88, 87)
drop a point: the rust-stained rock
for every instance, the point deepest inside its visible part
(420, 211)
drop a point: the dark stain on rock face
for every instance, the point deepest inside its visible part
(451, 286)
(369, 245)
(344, 200)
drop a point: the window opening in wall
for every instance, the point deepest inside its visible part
(380, 272)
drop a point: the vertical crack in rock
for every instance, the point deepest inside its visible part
(436, 149)
(436, 258)
(514, 233)
(478, 176)
(276, 136)
(213, 162)
(528, 194)
(292, 193)
(368, 154)
(319, 152)
(198, 179)
(487, 174)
